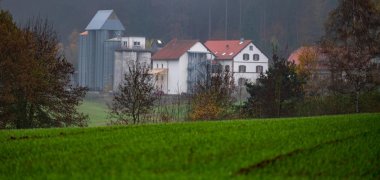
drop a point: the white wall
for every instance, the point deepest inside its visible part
(128, 42)
(224, 63)
(251, 74)
(122, 61)
(174, 79)
(199, 47)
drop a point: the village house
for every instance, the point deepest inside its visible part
(241, 57)
(179, 65)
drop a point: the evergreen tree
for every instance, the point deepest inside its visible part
(275, 93)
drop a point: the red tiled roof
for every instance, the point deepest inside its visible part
(227, 50)
(174, 49)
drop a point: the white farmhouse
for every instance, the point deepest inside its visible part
(242, 56)
(179, 64)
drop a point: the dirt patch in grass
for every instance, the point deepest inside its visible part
(61, 134)
(264, 163)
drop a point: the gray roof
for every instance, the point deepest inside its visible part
(105, 20)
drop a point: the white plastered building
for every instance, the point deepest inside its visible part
(176, 66)
(242, 56)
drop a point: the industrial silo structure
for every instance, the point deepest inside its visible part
(94, 59)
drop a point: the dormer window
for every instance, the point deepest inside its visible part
(245, 57)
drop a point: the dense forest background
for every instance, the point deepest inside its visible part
(288, 23)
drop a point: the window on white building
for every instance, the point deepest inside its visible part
(242, 69)
(227, 68)
(136, 43)
(251, 48)
(259, 69)
(246, 57)
(242, 81)
(217, 68)
(256, 57)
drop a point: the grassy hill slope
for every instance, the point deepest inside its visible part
(345, 146)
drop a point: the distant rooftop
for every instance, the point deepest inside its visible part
(227, 49)
(174, 49)
(105, 20)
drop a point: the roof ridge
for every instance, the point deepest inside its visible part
(105, 19)
(227, 49)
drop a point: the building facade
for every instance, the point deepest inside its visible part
(241, 57)
(120, 52)
(179, 65)
(125, 58)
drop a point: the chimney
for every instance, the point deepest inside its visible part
(241, 40)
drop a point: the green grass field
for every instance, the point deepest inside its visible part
(329, 147)
(97, 112)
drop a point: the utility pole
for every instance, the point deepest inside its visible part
(226, 22)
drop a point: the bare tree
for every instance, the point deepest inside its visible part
(135, 96)
(351, 42)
